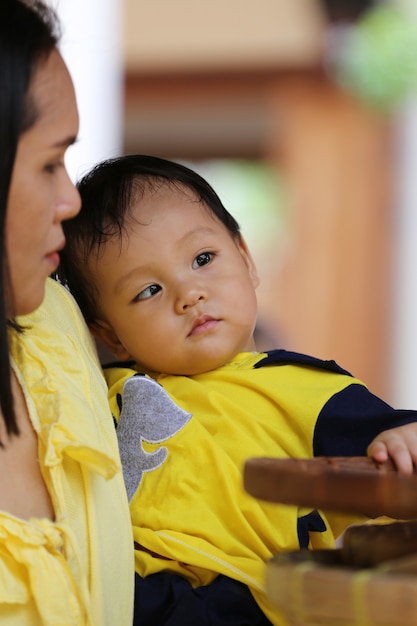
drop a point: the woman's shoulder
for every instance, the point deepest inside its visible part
(60, 310)
(56, 338)
(59, 369)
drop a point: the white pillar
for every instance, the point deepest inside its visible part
(404, 364)
(91, 47)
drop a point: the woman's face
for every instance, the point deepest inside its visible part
(41, 194)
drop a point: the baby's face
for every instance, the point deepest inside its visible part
(177, 294)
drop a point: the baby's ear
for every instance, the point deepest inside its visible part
(105, 333)
(248, 259)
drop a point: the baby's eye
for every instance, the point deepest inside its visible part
(202, 259)
(150, 291)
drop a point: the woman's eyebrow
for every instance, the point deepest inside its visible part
(65, 142)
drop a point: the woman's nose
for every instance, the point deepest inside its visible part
(69, 201)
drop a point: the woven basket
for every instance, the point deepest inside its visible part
(372, 579)
(313, 589)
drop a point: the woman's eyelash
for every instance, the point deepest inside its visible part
(52, 167)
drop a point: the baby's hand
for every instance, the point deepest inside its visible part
(399, 444)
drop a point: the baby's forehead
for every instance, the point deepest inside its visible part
(159, 186)
(163, 196)
(168, 200)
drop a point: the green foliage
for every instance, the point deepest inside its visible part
(378, 60)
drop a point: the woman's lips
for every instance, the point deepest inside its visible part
(53, 259)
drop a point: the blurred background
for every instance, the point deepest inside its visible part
(303, 116)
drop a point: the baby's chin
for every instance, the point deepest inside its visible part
(195, 362)
(209, 365)
(186, 370)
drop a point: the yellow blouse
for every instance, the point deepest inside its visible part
(79, 569)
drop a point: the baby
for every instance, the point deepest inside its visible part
(166, 281)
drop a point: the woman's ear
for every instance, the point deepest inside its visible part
(249, 262)
(105, 333)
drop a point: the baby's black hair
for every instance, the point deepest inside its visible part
(107, 194)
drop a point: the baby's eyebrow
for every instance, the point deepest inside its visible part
(136, 271)
(194, 232)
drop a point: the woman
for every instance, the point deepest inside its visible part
(66, 550)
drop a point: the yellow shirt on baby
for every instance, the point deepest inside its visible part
(184, 441)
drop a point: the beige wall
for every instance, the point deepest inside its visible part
(198, 34)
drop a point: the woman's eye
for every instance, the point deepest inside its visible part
(202, 259)
(51, 168)
(148, 292)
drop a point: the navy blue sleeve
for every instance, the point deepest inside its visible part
(351, 419)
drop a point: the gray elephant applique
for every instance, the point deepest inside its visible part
(148, 413)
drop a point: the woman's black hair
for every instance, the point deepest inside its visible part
(29, 31)
(107, 192)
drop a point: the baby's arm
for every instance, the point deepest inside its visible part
(399, 444)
